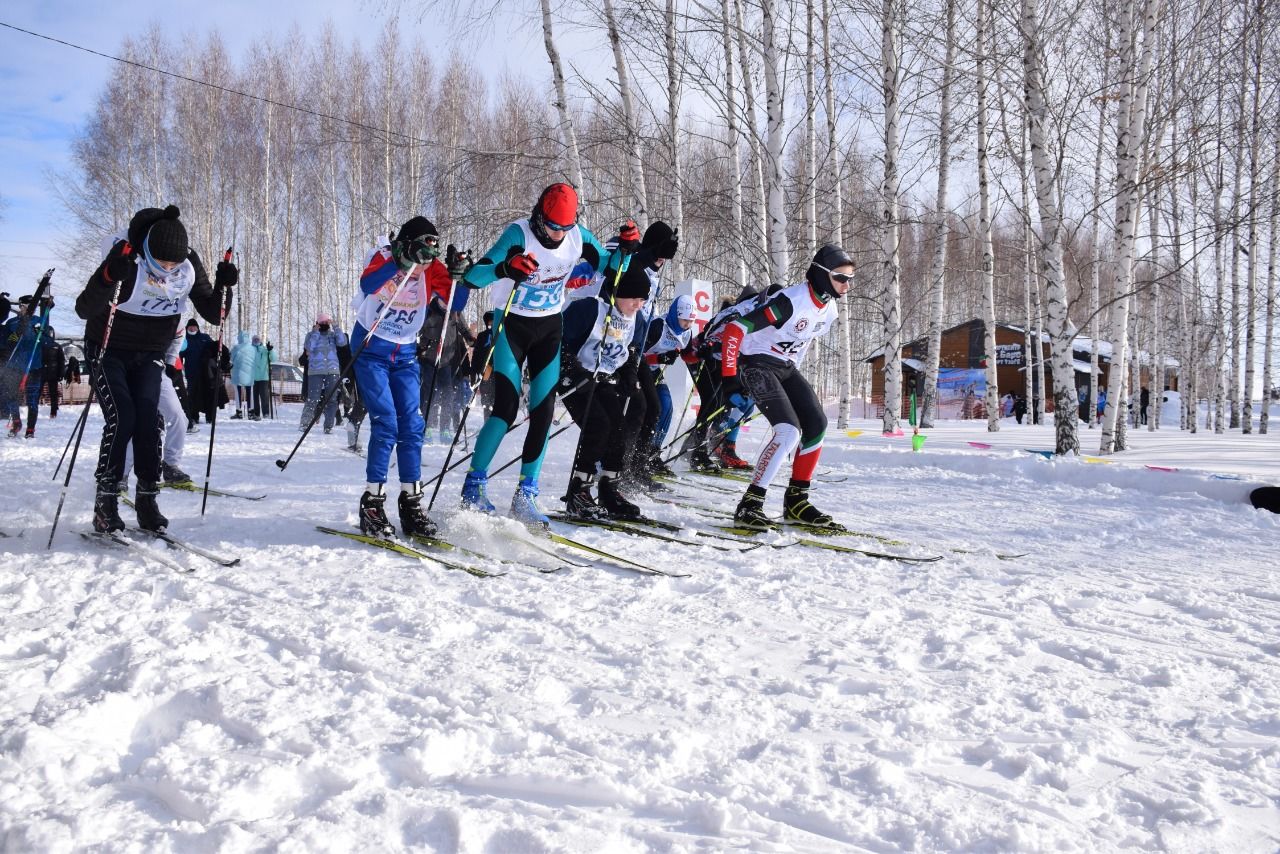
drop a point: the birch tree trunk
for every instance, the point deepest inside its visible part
(1033, 344)
(1060, 334)
(567, 133)
(639, 193)
(836, 229)
(889, 192)
(753, 138)
(734, 142)
(941, 230)
(1269, 309)
(673, 128)
(1234, 388)
(984, 218)
(1251, 282)
(779, 260)
(1135, 74)
(1095, 265)
(810, 134)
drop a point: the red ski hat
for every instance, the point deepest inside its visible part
(558, 205)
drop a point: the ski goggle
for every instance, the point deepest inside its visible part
(842, 278)
(554, 226)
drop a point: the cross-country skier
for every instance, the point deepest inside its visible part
(600, 343)
(761, 352)
(400, 278)
(152, 274)
(527, 269)
(22, 341)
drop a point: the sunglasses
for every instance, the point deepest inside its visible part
(842, 278)
(552, 226)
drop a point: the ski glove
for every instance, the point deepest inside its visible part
(420, 250)
(120, 262)
(628, 237)
(458, 263)
(226, 275)
(517, 268)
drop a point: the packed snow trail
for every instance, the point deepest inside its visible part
(1118, 687)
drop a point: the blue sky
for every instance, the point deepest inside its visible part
(47, 91)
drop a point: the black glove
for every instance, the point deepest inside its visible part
(121, 262)
(667, 248)
(226, 275)
(458, 263)
(517, 268)
(628, 237)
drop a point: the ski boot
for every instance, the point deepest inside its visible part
(578, 500)
(173, 474)
(30, 434)
(700, 460)
(238, 416)
(414, 522)
(106, 509)
(797, 509)
(615, 504)
(144, 500)
(353, 437)
(750, 511)
(373, 514)
(727, 455)
(657, 466)
(15, 425)
(474, 490)
(524, 507)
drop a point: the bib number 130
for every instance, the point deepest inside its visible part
(536, 297)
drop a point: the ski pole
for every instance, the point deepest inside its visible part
(687, 400)
(497, 331)
(75, 451)
(217, 367)
(315, 416)
(679, 454)
(84, 414)
(509, 463)
(463, 459)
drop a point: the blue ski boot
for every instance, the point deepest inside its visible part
(473, 492)
(524, 508)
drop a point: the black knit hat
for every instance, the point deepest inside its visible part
(634, 284)
(167, 238)
(417, 227)
(656, 233)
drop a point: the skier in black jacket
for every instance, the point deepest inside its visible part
(139, 293)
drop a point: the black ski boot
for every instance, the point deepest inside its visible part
(658, 467)
(373, 515)
(147, 507)
(578, 500)
(797, 509)
(615, 504)
(173, 474)
(414, 522)
(106, 509)
(700, 460)
(750, 512)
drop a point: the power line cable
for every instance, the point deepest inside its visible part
(275, 103)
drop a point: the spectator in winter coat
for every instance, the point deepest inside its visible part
(261, 380)
(194, 369)
(244, 358)
(321, 349)
(23, 370)
(1019, 408)
(55, 363)
(72, 376)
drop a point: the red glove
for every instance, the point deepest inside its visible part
(628, 237)
(517, 268)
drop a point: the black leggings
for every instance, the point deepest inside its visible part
(605, 433)
(127, 384)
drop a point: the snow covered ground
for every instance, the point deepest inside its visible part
(1118, 687)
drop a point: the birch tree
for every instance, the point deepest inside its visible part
(1050, 234)
(779, 259)
(889, 192)
(984, 214)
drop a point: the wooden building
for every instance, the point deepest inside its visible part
(962, 369)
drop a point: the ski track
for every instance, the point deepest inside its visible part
(1117, 688)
